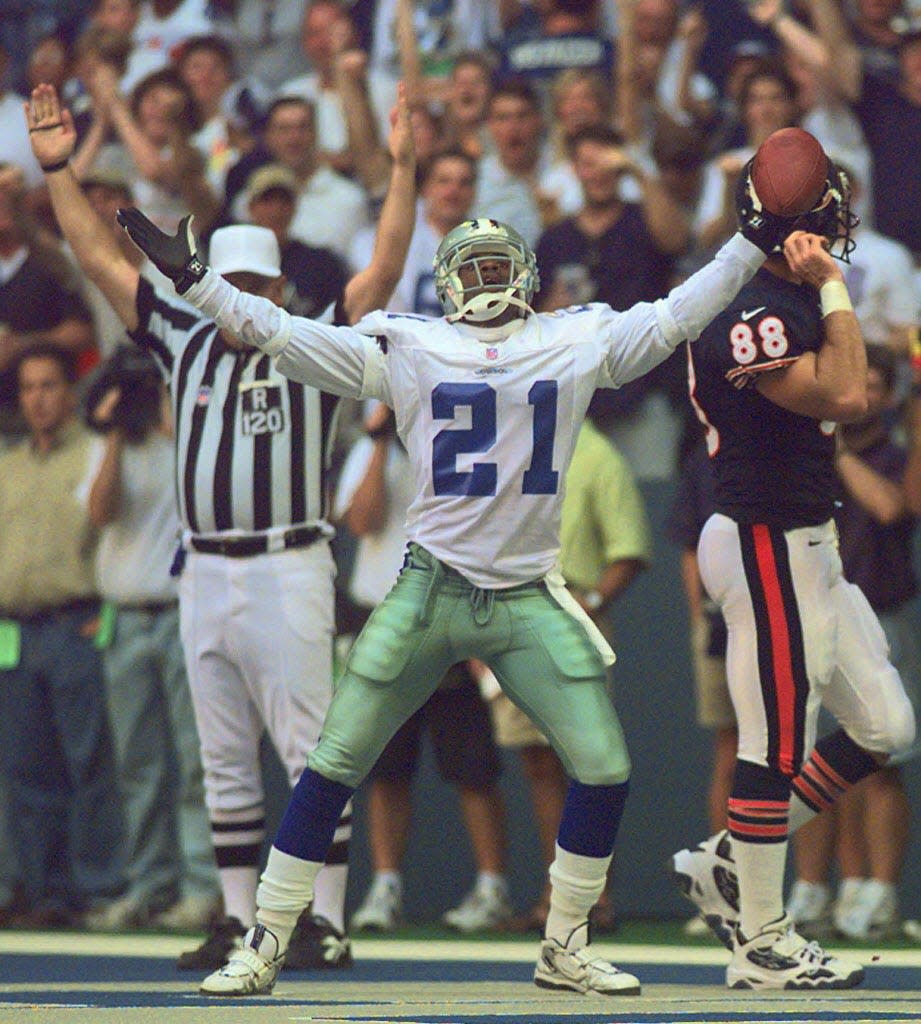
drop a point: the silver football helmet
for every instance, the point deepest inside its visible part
(467, 246)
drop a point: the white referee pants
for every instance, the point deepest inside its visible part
(258, 639)
(800, 635)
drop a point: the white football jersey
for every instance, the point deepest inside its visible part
(490, 420)
(489, 416)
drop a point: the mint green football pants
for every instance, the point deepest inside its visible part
(431, 619)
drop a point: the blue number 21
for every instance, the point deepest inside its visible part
(539, 478)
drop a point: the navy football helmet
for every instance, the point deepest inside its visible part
(831, 216)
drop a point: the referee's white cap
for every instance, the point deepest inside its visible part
(245, 248)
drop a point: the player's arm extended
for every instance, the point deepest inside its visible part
(831, 383)
(340, 360)
(52, 135)
(642, 336)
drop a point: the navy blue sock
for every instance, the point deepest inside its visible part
(591, 817)
(310, 820)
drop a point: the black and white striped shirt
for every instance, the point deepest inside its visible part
(251, 445)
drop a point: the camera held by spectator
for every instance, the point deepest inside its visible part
(126, 393)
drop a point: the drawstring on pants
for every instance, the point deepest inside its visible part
(481, 601)
(436, 572)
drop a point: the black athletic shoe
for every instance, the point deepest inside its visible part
(316, 945)
(225, 936)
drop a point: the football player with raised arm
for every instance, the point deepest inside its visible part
(770, 377)
(488, 399)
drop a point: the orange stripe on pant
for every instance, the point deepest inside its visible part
(780, 646)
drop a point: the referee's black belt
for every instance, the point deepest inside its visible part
(258, 544)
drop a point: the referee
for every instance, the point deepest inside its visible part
(256, 590)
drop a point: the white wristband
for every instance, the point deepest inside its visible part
(834, 298)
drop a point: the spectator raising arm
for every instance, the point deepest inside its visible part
(846, 69)
(692, 31)
(912, 478)
(175, 165)
(408, 46)
(370, 158)
(626, 86)
(793, 34)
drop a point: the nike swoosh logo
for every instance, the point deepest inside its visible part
(813, 543)
(749, 313)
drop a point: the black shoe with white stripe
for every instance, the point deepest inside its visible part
(316, 945)
(226, 935)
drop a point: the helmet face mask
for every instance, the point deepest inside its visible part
(466, 262)
(831, 217)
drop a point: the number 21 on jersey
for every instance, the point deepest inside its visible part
(539, 478)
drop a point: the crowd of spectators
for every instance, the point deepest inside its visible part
(610, 133)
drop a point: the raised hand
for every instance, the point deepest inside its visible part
(764, 12)
(51, 128)
(730, 166)
(808, 257)
(172, 255)
(102, 84)
(692, 28)
(400, 143)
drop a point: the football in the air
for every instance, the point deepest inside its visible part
(789, 172)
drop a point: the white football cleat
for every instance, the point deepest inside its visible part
(576, 967)
(706, 875)
(251, 970)
(778, 958)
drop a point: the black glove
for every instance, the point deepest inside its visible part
(761, 227)
(172, 255)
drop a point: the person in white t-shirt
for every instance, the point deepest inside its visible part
(326, 31)
(162, 26)
(14, 139)
(172, 876)
(206, 65)
(508, 182)
(881, 280)
(331, 210)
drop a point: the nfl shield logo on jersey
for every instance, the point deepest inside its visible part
(492, 352)
(204, 395)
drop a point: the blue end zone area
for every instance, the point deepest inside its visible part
(23, 969)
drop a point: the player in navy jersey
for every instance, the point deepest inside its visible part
(769, 378)
(770, 464)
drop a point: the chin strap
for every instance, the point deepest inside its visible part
(487, 306)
